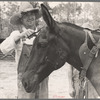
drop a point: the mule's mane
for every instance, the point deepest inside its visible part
(81, 28)
(72, 25)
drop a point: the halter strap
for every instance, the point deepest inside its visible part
(86, 36)
(92, 53)
(91, 36)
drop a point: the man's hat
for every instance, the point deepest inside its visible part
(24, 7)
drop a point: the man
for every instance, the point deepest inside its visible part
(18, 40)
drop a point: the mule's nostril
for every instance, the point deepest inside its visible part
(25, 84)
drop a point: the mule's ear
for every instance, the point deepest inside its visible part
(47, 17)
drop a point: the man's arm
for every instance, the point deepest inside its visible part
(9, 44)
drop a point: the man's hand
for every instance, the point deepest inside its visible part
(27, 33)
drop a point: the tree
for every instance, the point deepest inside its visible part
(67, 11)
(34, 4)
(96, 14)
(47, 5)
(7, 10)
(0, 23)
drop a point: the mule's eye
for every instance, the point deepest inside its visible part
(42, 44)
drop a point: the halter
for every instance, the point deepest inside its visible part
(61, 57)
(47, 60)
(87, 56)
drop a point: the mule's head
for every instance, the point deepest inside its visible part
(49, 53)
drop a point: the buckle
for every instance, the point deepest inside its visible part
(93, 51)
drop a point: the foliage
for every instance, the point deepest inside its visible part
(7, 9)
(74, 12)
(67, 11)
(96, 14)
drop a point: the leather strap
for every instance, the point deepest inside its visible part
(93, 52)
(90, 34)
(92, 38)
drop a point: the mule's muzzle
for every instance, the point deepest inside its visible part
(26, 86)
(30, 83)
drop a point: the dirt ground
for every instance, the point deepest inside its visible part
(58, 82)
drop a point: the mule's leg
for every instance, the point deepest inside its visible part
(43, 89)
(76, 82)
(70, 75)
(91, 92)
(93, 74)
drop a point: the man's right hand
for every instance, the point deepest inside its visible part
(27, 33)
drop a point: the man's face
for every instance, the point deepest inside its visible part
(28, 19)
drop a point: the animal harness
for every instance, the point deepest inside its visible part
(87, 56)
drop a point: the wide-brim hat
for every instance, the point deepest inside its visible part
(24, 7)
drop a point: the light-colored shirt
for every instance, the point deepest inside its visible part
(9, 45)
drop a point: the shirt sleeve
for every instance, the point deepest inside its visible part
(9, 45)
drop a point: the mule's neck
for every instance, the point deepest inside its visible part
(74, 38)
(77, 37)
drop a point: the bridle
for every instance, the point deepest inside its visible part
(61, 57)
(59, 51)
(61, 54)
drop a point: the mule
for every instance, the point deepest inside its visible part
(56, 44)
